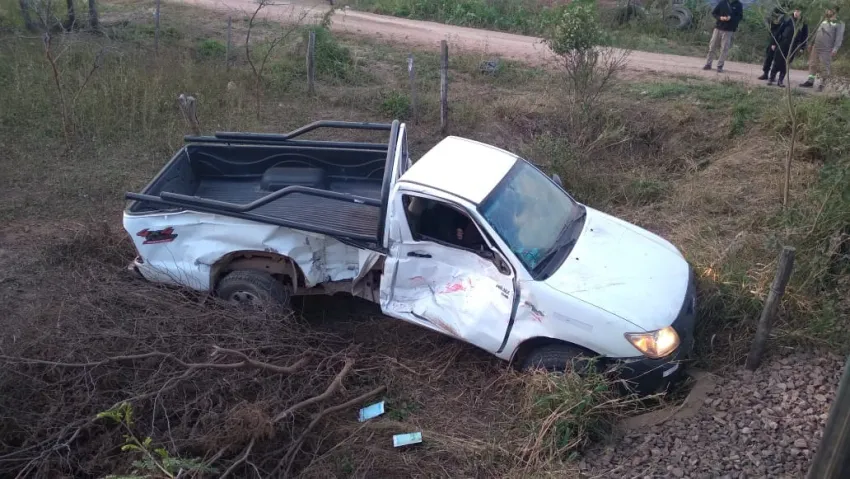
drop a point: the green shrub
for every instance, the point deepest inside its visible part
(396, 105)
(575, 28)
(333, 60)
(210, 48)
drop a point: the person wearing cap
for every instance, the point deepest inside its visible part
(790, 38)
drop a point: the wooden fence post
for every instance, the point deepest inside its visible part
(411, 70)
(311, 62)
(156, 30)
(771, 306)
(227, 47)
(832, 459)
(444, 86)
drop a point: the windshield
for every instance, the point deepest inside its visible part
(530, 212)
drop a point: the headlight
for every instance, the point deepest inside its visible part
(655, 344)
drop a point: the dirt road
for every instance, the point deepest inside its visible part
(515, 47)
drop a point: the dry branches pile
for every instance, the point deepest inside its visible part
(242, 392)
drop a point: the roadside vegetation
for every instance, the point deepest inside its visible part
(643, 30)
(700, 164)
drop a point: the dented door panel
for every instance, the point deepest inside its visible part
(455, 292)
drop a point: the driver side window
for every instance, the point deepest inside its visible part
(437, 221)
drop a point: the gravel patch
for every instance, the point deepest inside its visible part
(762, 424)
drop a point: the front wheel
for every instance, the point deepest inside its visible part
(253, 288)
(558, 358)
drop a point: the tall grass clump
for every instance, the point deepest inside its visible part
(565, 412)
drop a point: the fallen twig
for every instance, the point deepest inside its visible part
(296, 447)
(331, 389)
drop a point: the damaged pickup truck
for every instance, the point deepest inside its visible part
(471, 241)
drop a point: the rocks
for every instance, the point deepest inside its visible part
(762, 424)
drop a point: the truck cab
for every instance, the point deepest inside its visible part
(470, 241)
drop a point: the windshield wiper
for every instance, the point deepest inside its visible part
(578, 218)
(563, 241)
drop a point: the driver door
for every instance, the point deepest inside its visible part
(442, 286)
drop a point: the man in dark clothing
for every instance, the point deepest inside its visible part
(728, 14)
(775, 21)
(787, 45)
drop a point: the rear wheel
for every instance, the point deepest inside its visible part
(253, 288)
(557, 358)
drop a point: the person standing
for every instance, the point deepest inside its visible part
(828, 38)
(788, 44)
(775, 21)
(728, 14)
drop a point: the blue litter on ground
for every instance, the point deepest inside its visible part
(407, 439)
(369, 412)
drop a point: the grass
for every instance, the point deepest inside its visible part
(698, 163)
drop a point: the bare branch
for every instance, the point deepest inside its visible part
(241, 459)
(296, 447)
(331, 389)
(245, 363)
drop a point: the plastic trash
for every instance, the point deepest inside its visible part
(372, 411)
(400, 440)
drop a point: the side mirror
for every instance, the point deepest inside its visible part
(498, 261)
(557, 180)
(487, 254)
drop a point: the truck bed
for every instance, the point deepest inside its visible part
(337, 188)
(311, 211)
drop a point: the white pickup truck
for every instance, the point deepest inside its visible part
(471, 241)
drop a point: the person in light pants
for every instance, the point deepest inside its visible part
(728, 14)
(828, 38)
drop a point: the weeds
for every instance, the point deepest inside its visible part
(211, 49)
(334, 61)
(565, 412)
(258, 66)
(396, 105)
(155, 460)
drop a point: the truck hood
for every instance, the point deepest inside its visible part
(625, 270)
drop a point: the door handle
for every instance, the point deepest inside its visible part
(418, 255)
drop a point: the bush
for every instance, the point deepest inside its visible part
(396, 105)
(575, 28)
(210, 48)
(576, 36)
(333, 60)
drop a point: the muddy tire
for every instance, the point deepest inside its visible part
(254, 288)
(557, 358)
